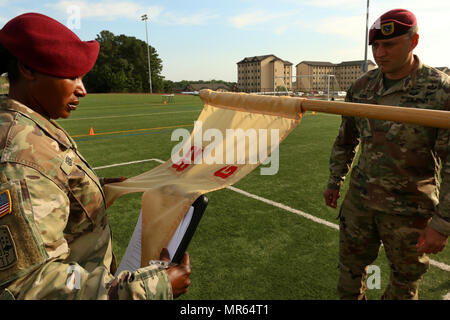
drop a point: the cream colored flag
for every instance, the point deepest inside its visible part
(233, 135)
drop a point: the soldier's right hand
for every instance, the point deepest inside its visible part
(331, 197)
(179, 274)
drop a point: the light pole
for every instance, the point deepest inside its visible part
(145, 18)
(365, 67)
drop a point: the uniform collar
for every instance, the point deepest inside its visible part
(47, 125)
(407, 83)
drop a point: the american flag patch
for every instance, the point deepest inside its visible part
(5, 203)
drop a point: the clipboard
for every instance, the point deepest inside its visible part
(131, 260)
(180, 244)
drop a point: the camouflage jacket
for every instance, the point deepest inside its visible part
(55, 240)
(399, 164)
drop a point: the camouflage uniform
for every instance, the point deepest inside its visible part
(394, 187)
(55, 239)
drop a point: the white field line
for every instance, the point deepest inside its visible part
(139, 104)
(127, 163)
(284, 207)
(438, 264)
(129, 115)
(435, 263)
(147, 114)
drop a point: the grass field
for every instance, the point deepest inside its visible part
(244, 248)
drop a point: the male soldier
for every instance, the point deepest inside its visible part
(393, 194)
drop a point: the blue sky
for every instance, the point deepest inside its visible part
(203, 39)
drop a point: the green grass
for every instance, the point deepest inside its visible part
(243, 248)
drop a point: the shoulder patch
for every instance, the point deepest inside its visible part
(5, 203)
(8, 256)
(21, 245)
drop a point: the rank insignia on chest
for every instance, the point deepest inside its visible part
(67, 164)
(8, 255)
(69, 161)
(387, 28)
(5, 203)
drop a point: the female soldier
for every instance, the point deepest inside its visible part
(55, 240)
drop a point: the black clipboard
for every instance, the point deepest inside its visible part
(199, 207)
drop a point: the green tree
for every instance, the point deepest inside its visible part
(168, 86)
(122, 66)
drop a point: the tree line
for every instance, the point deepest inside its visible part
(122, 66)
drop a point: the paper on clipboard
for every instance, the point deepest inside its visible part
(131, 260)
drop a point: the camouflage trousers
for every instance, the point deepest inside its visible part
(362, 231)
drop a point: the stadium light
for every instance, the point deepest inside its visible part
(145, 18)
(365, 67)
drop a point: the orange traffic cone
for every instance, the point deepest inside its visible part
(91, 132)
(165, 102)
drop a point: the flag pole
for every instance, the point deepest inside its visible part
(423, 117)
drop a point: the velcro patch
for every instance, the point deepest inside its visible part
(8, 256)
(22, 248)
(67, 164)
(5, 203)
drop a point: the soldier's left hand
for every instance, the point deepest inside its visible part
(179, 275)
(431, 241)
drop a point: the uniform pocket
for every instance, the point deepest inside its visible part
(86, 199)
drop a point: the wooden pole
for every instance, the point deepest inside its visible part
(424, 117)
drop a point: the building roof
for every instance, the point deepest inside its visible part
(329, 64)
(354, 63)
(317, 63)
(255, 59)
(261, 58)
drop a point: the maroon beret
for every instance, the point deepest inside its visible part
(47, 46)
(392, 24)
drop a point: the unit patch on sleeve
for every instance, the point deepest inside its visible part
(8, 255)
(5, 203)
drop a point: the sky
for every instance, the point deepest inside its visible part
(204, 39)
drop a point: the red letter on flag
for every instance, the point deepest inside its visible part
(225, 172)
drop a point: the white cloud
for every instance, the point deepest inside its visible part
(332, 3)
(255, 18)
(281, 30)
(349, 27)
(442, 5)
(417, 5)
(113, 10)
(108, 9)
(198, 18)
